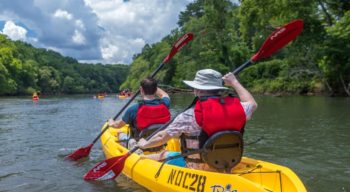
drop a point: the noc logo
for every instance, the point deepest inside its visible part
(98, 167)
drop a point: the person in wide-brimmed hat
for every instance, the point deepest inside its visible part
(210, 113)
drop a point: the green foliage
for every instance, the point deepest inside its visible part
(145, 64)
(8, 65)
(226, 35)
(30, 90)
(49, 80)
(335, 63)
(25, 69)
(194, 9)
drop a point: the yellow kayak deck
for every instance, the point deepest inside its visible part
(122, 96)
(249, 175)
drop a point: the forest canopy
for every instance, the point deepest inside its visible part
(25, 69)
(227, 34)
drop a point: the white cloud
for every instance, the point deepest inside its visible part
(63, 14)
(78, 38)
(79, 24)
(106, 31)
(14, 31)
(109, 51)
(130, 25)
(138, 42)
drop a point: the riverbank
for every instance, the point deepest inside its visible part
(178, 90)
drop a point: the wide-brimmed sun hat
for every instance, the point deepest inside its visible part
(207, 79)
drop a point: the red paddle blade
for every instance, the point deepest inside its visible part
(279, 38)
(79, 153)
(182, 41)
(107, 169)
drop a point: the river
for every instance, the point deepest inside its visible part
(310, 135)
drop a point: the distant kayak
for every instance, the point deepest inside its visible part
(122, 96)
(249, 175)
(35, 98)
(101, 95)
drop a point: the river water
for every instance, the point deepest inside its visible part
(310, 135)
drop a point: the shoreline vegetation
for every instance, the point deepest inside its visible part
(25, 70)
(178, 90)
(225, 36)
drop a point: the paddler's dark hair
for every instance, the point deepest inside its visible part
(149, 85)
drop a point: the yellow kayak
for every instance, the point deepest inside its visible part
(122, 96)
(249, 175)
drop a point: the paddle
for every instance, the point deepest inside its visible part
(85, 151)
(111, 168)
(276, 40)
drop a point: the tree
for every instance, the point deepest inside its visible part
(49, 80)
(336, 61)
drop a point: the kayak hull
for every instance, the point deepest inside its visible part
(249, 175)
(122, 96)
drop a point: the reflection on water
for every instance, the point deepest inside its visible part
(308, 134)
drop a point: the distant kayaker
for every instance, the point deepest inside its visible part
(125, 92)
(35, 96)
(210, 113)
(147, 112)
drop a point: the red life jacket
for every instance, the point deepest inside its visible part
(151, 114)
(217, 114)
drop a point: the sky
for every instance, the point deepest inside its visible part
(91, 31)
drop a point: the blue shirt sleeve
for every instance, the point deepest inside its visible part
(166, 101)
(130, 114)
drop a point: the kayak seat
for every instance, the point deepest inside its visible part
(223, 150)
(147, 132)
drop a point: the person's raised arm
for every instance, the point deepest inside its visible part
(243, 94)
(161, 93)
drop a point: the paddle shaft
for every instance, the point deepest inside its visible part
(85, 151)
(268, 44)
(243, 66)
(277, 40)
(153, 134)
(127, 104)
(236, 71)
(182, 41)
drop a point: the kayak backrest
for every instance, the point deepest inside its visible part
(149, 130)
(223, 150)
